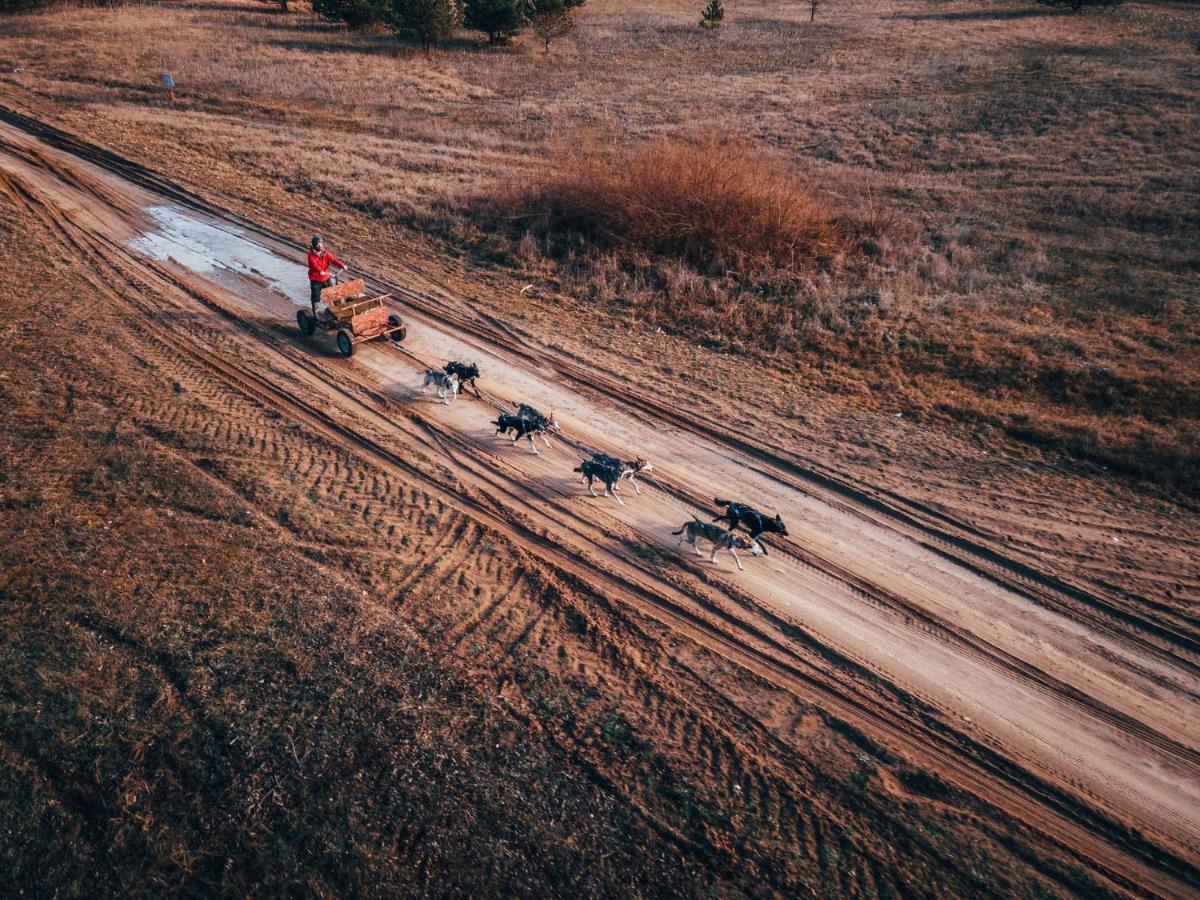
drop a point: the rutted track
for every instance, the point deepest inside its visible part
(944, 629)
(577, 539)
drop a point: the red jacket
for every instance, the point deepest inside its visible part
(319, 263)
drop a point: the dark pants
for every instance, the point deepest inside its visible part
(316, 287)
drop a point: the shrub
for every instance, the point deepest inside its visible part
(552, 24)
(553, 19)
(17, 6)
(1077, 5)
(708, 237)
(428, 21)
(498, 19)
(715, 203)
(551, 6)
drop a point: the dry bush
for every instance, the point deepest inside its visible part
(717, 204)
(709, 237)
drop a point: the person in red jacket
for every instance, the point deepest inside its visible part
(319, 261)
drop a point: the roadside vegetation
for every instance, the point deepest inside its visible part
(708, 236)
(718, 240)
(716, 204)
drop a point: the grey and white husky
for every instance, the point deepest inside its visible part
(694, 531)
(446, 384)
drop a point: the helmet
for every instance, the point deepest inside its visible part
(316, 239)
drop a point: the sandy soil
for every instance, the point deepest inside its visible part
(1071, 715)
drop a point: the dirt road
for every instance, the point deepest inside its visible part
(1075, 719)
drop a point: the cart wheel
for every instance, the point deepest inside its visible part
(398, 335)
(345, 345)
(306, 322)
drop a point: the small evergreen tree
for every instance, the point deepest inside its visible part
(712, 15)
(498, 19)
(428, 21)
(18, 6)
(1077, 5)
(549, 6)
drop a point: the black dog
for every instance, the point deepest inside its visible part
(525, 424)
(755, 522)
(466, 372)
(520, 421)
(602, 470)
(626, 468)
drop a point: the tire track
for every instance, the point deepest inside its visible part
(989, 654)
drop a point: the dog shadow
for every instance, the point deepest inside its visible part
(407, 392)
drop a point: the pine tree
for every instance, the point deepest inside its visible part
(712, 15)
(355, 13)
(1077, 5)
(498, 19)
(19, 6)
(429, 21)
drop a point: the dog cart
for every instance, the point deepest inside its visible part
(352, 317)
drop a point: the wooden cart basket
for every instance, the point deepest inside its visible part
(353, 317)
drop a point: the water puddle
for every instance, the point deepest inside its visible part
(223, 254)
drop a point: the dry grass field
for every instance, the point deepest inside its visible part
(954, 262)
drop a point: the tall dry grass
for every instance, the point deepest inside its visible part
(716, 203)
(707, 236)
